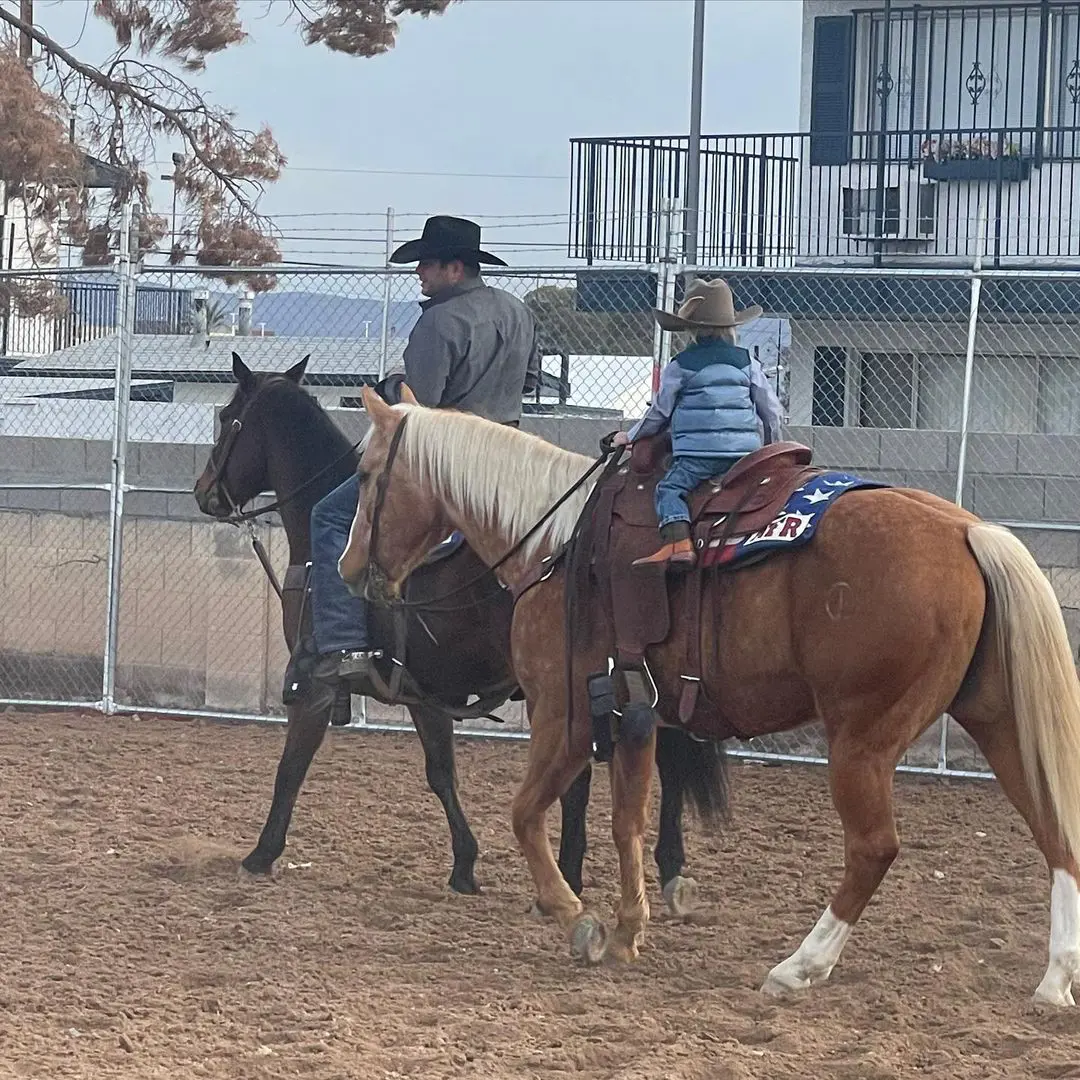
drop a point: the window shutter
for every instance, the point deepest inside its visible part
(830, 90)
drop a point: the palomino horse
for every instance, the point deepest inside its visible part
(901, 608)
(275, 437)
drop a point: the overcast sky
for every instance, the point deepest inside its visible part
(473, 111)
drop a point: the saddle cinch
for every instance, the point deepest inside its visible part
(636, 599)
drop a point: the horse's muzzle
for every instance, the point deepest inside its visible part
(374, 586)
(357, 585)
(211, 501)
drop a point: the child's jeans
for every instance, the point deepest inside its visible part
(684, 475)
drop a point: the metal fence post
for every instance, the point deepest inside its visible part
(969, 356)
(125, 333)
(965, 413)
(670, 253)
(384, 342)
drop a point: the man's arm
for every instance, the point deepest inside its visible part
(430, 355)
(659, 412)
(767, 403)
(532, 371)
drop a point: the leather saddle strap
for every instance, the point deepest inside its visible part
(401, 635)
(603, 567)
(691, 677)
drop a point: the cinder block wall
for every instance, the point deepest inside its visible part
(200, 626)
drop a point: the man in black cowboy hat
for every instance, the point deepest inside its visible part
(473, 348)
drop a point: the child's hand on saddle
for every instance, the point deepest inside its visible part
(620, 438)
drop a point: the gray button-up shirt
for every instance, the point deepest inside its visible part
(474, 348)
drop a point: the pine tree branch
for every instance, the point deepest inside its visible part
(120, 90)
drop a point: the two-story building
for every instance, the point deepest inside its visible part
(931, 134)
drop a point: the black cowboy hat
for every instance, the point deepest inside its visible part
(446, 238)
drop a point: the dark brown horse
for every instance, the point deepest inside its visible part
(275, 437)
(901, 608)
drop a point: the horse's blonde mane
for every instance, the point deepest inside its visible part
(504, 478)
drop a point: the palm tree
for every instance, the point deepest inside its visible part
(217, 316)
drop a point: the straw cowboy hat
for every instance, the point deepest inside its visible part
(707, 305)
(446, 238)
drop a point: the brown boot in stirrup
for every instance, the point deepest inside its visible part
(677, 549)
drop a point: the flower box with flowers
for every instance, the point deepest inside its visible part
(974, 159)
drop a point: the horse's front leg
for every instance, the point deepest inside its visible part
(308, 719)
(553, 767)
(436, 731)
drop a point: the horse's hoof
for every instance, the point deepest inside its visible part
(1054, 998)
(588, 940)
(679, 895)
(619, 952)
(464, 884)
(259, 864)
(773, 987)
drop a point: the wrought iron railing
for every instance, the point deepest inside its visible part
(934, 195)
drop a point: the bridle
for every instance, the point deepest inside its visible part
(245, 518)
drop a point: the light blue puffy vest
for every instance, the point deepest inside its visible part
(714, 415)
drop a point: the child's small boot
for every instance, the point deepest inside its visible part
(677, 549)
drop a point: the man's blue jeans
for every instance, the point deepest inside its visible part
(339, 619)
(684, 475)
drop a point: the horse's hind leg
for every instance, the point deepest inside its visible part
(572, 838)
(631, 783)
(436, 731)
(861, 778)
(308, 719)
(1000, 745)
(670, 854)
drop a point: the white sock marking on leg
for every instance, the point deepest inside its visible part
(813, 961)
(1056, 986)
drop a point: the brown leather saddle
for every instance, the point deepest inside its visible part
(624, 528)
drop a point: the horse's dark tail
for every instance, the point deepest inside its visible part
(699, 769)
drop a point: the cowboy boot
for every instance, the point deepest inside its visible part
(307, 667)
(677, 548)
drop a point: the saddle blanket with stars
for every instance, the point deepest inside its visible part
(794, 526)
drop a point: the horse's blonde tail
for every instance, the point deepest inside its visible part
(1040, 675)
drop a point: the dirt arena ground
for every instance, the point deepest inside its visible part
(132, 947)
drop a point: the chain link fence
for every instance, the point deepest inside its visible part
(121, 595)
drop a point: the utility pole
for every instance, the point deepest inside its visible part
(693, 165)
(26, 42)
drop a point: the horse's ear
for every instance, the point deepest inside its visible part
(375, 407)
(407, 395)
(296, 372)
(242, 373)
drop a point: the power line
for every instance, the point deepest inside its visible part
(417, 172)
(536, 219)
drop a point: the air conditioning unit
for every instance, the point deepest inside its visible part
(909, 205)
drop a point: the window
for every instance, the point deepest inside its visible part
(1004, 393)
(830, 377)
(1058, 404)
(963, 66)
(887, 390)
(860, 216)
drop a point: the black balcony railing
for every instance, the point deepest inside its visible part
(619, 186)
(1012, 194)
(87, 309)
